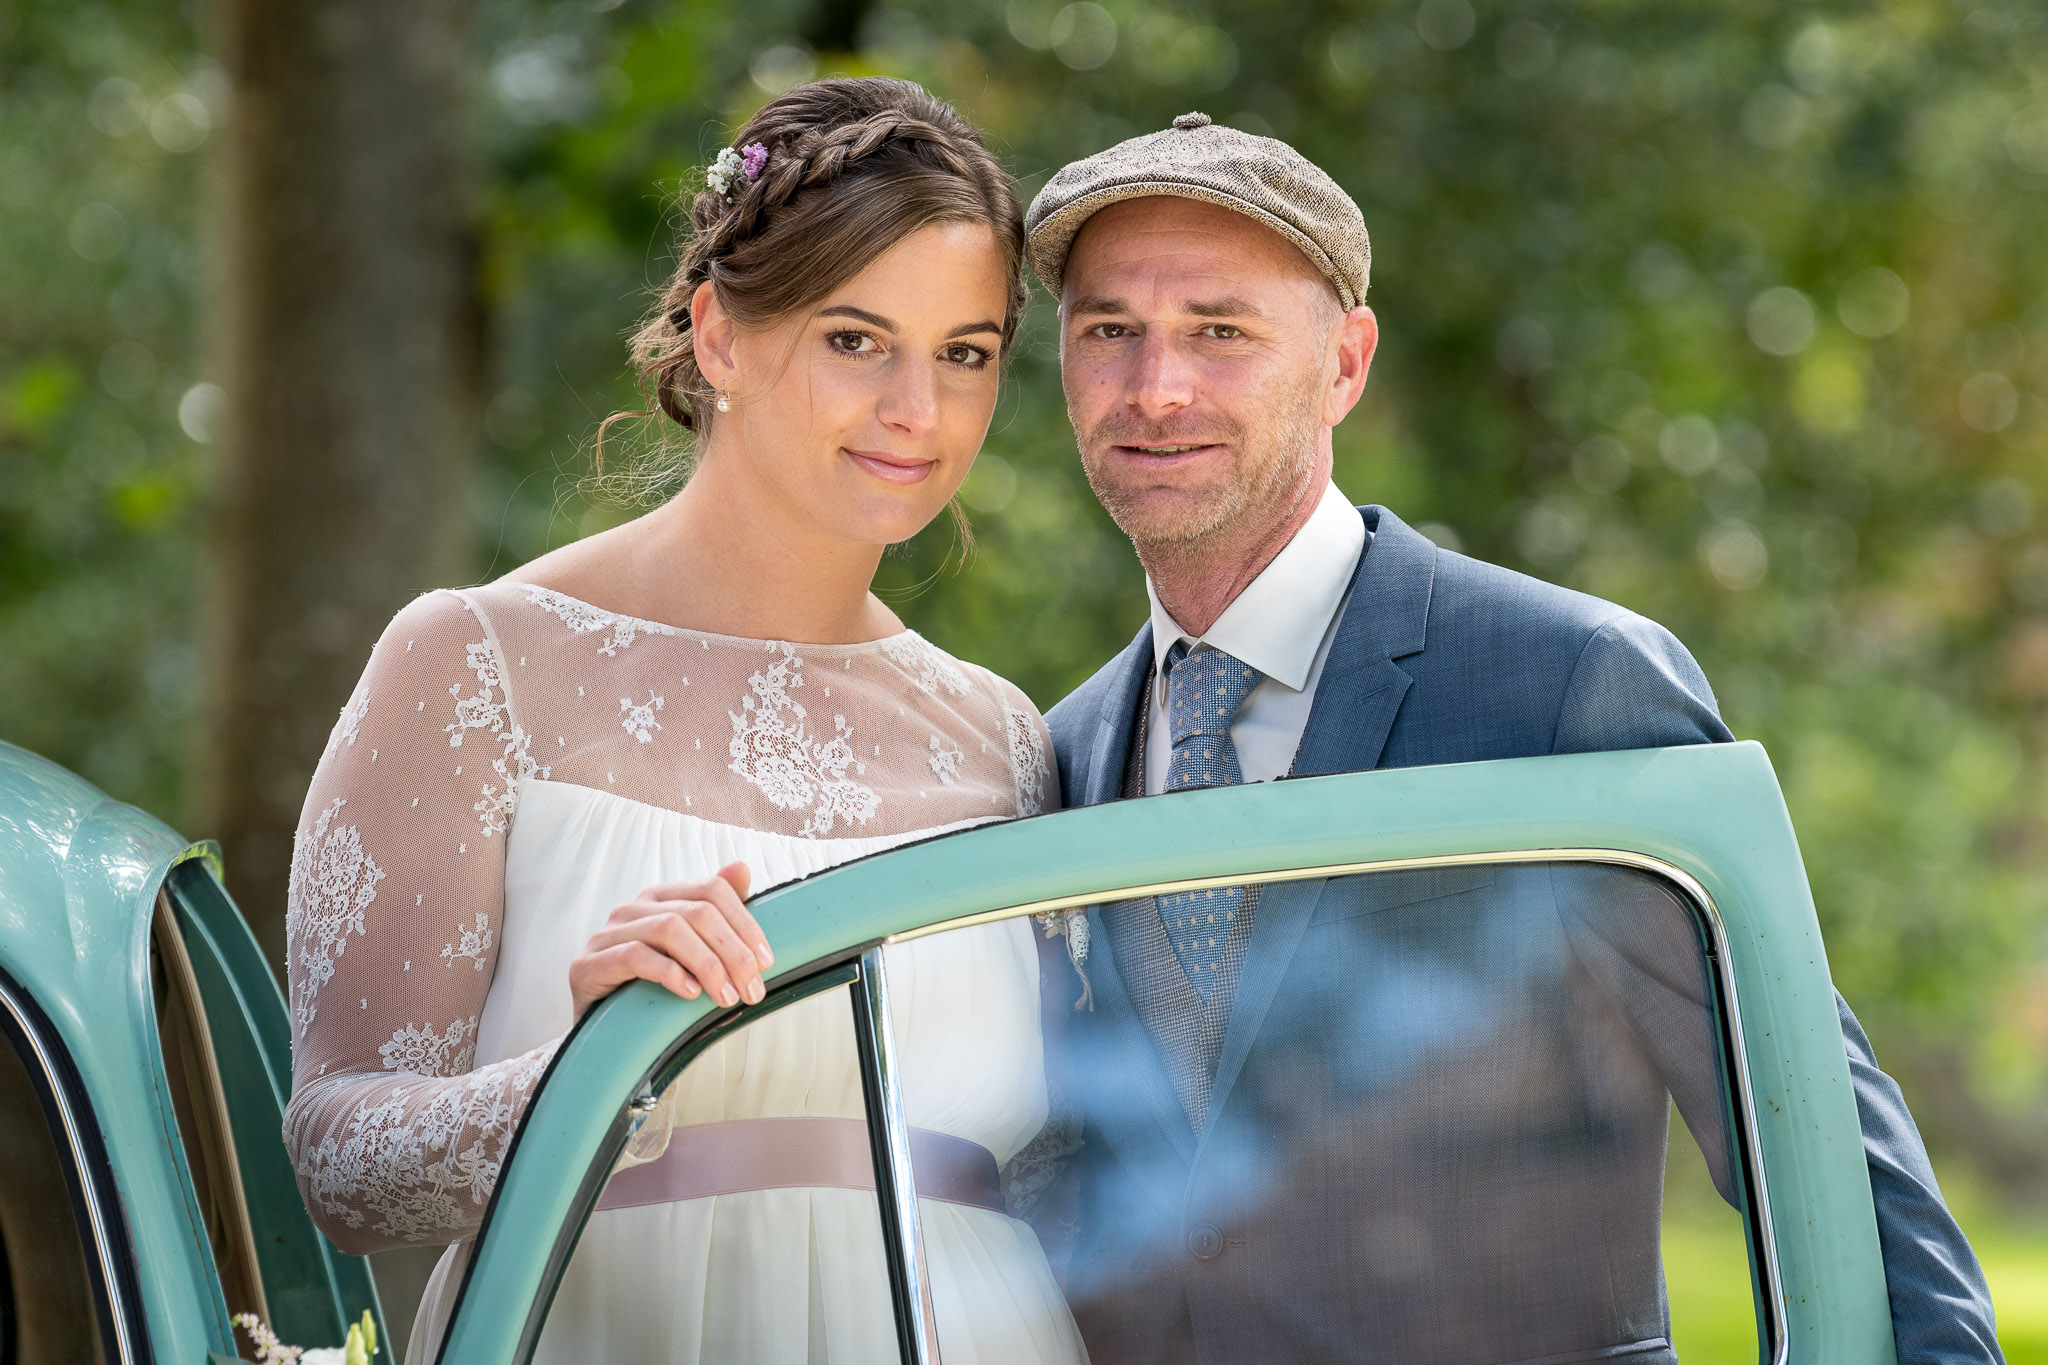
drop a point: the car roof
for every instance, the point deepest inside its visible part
(79, 873)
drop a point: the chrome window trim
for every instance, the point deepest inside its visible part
(895, 1184)
(97, 1214)
(1772, 1327)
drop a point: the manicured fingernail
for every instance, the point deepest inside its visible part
(754, 992)
(689, 990)
(767, 958)
(726, 997)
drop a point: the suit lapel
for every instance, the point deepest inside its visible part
(1357, 698)
(1385, 618)
(1112, 747)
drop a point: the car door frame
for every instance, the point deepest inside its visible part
(314, 1290)
(1709, 818)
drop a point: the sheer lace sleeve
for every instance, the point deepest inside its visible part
(1038, 783)
(397, 891)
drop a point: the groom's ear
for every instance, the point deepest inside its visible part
(711, 335)
(1352, 342)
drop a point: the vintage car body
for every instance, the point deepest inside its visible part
(97, 901)
(116, 939)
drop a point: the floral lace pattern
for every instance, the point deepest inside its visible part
(585, 619)
(639, 719)
(1031, 1172)
(776, 753)
(1027, 759)
(483, 710)
(924, 664)
(426, 1053)
(517, 764)
(421, 1171)
(333, 883)
(400, 1109)
(475, 943)
(351, 722)
(945, 759)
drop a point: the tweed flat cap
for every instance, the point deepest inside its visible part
(1260, 177)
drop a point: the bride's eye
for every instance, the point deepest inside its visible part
(968, 357)
(852, 343)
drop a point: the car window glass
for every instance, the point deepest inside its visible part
(1705, 1246)
(47, 1310)
(741, 1222)
(1415, 1115)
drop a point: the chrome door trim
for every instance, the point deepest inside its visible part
(895, 1184)
(1773, 1324)
(98, 1216)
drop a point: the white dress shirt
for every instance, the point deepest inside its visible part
(1282, 625)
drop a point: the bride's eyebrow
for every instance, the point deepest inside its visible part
(847, 310)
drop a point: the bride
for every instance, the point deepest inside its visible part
(572, 777)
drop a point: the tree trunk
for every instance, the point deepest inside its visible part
(347, 325)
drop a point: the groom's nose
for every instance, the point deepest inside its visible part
(910, 398)
(1162, 380)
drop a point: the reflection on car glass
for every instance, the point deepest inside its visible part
(1427, 1123)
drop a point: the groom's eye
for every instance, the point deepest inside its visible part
(1109, 330)
(1222, 331)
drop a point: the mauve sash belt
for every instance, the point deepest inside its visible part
(799, 1152)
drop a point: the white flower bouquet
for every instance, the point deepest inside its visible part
(357, 1350)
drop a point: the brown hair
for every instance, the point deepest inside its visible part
(855, 165)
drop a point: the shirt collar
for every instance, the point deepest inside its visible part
(1278, 622)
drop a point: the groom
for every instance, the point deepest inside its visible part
(1213, 333)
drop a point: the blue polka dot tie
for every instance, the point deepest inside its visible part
(1204, 690)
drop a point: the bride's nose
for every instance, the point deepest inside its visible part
(909, 401)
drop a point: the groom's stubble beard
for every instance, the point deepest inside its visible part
(1273, 455)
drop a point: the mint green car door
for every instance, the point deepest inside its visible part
(1427, 1120)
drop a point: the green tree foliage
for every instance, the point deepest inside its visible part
(1734, 312)
(101, 119)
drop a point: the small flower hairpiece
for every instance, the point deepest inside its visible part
(733, 163)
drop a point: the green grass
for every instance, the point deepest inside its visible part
(1707, 1268)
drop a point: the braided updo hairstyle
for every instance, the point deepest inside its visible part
(855, 165)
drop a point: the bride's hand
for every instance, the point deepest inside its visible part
(687, 936)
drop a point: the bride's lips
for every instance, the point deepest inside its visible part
(890, 467)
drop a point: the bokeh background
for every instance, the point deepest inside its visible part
(1735, 312)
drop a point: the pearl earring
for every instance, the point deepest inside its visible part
(724, 403)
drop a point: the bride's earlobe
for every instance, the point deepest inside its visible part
(711, 336)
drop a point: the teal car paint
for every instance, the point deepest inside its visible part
(1712, 814)
(80, 876)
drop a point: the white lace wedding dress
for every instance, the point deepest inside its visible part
(513, 765)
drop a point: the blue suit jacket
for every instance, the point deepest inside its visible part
(1443, 659)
